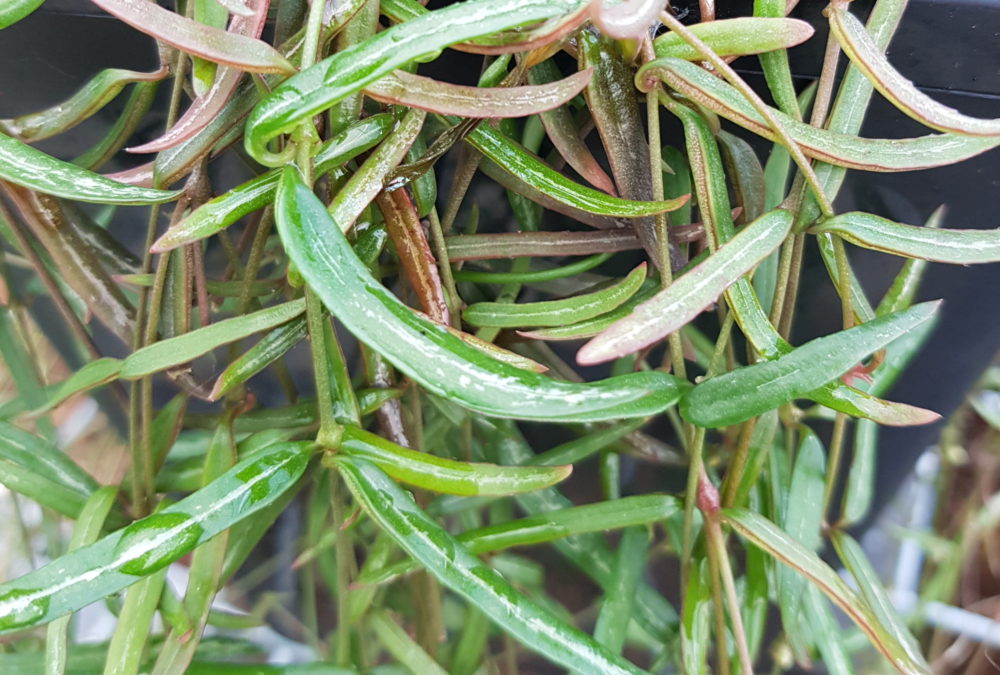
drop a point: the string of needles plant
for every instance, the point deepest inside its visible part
(430, 532)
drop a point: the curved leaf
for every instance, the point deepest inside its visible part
(783, 548)
(746, 392)
(350, 70)
(736, 37)
(960, 247)
(690, 294)
(270, 348)
(538, 244)
(439, 553)
(91, 97)
(415, 91)
(198, 39)
(25, 166)
(556, 312)
(13, 11)
(256, 193)
(871, 61)
(249, 22)
(427, 352)
(438, 474)
(866, 154)
(562, 130)
(127, 556)
(512, 158)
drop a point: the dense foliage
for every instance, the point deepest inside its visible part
(674, 258)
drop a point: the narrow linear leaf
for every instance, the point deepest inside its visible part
(427, 352)
(25, 166)
(183, 348)
(270, 348)
(40, 457)
(438, 474)
(94, 95)
(350, 70)
(256, 193)
(839, 149)
(172, 352)
(127, 556)
(562, 130)
(779, 545)
(545, 527)
(871, 589)
(414, 252)
(539, 244)
(13, 11)
(197, 39)
(512, 158)
(959, 247)
(439, 553)
(556, 312)
(690, 294)
(746, 392)
(415, 91)
(594, 326)
(901, 91)
(736, 37)
(835, 395)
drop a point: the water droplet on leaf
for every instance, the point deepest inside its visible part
(154, 542)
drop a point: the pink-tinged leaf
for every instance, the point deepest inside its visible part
(503, 42)
(690, 294)
(565, 136)
(236, 7)
(870, 60)
(839, 149)
(207, 106)
(541, 244)
(414, 253)
(630, 19)
(191, 37)
(139, 176)
(452, 99)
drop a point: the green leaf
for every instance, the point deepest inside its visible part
(445, 475)
(439, 553)
(349, 70)
(786, 550)
(690, 294)
(44, 459)
(802, 522)
(549, 526)
(428, 352)
(900, 91)
(94, 95)
(513, 159)
(835, 395)
(25, 166)
(269, 349)
(870, 587)
(588, 552)
(531, 276)
(746, 392)
(13, 11)
(619, 599)
(403, 648)
(960, 247)
(591, 327)
(256, 193)
(736, 37)
(127, 556)
(840, 149)
(556, 312)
